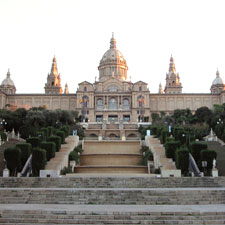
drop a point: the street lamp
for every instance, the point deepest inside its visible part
(3, 123)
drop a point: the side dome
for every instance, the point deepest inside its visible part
(8, 85)
(112, 64)
(217, 84)
(218, 79)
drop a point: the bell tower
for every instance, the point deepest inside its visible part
(53, 85)
(173, 84)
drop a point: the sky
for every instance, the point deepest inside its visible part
(78, 33)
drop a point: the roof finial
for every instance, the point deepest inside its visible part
(172, 65)
(8, 73)
(113, 41)
(217, 73)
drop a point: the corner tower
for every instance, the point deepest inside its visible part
(217, 84)
(8, 85)
(112, 63)
(53, 85)
(173, 84)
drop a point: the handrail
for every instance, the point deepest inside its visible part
(27, 167)
(193, 166)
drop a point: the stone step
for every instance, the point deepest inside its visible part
(112, 147)
(106, 181)
(111, 215)
(111, 169)
(115, 196)
(110, 159)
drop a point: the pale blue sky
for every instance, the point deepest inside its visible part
(78, 33)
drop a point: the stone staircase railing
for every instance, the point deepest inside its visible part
(166, 166)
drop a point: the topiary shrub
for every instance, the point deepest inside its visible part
(13, 159)
(171, 147)
(61, 134)
(3, 136)
(41, 135)
(38, 160)
(66, 130)
(164, 135)
(50, 148)
(196, 148)
(25, 149)
(45, 131)
(56, 140)
(50, 131)
(182, 160)
(208, 155)
(146, 155)
(34, 141)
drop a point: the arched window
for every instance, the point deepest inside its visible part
(112, 103)
(173, 84)
(99, 103)
(85, 89)
(140, 88)
(125, 103)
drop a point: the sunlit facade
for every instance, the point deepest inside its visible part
(112, 96)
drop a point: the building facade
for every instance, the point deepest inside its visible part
(112, 96)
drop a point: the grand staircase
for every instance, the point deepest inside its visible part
(114, 156)
(115, 199)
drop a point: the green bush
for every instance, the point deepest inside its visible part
(38, 160)
(45, 131)
(78, 149)
(66, 130)
(146, 155)
(61, 134)
(208, 155)
(50, 148)
(13, 159)
(50, 131)
(196, 148)
(164, 135)
(34, 141)
(56, 140)
(41, 135)
(182, 160)
(3, 136)
(25, 149)
(171, 147)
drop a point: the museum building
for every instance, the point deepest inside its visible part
(112, 96)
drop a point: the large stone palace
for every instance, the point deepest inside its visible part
(112, 96)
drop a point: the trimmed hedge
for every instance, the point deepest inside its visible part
(182, 160)
(61, 134)
(208, 155)
(56, 140)
(45, 131)
(38, 160)
(12, 156)
(34, 141)
(50, 131)
(171, 148)
(41, 135)
(66, 130)
(50, 148)
(196, 148)
(3, 136)
(25, 149)
(164, 135)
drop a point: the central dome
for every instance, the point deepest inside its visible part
(112, 64)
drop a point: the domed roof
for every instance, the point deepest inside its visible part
(8, 81)
(113, 63)
(218, 79)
